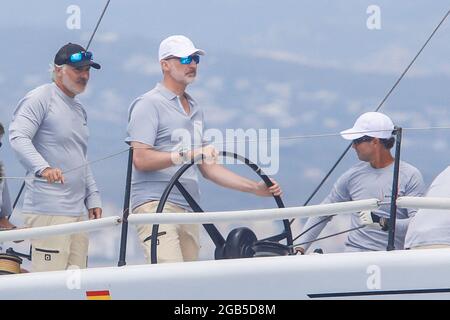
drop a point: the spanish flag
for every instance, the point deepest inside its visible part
(98, 295)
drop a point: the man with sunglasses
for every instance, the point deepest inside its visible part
(49, 134)
(372, 140)
(5, 202)
(165, 128)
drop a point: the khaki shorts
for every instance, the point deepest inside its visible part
(57, 252)
(432, 246)
(176, 243)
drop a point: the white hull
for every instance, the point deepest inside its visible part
(414, 274)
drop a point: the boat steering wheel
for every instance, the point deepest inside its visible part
(241, 242)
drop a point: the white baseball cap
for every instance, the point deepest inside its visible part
(372, 124)
(177, 46)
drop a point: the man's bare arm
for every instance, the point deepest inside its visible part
(145, 158)
(228, 179)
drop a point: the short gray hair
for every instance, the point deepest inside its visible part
(52, 68)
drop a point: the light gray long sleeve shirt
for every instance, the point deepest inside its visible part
(362, 181)
(431, 226)
(49, 129)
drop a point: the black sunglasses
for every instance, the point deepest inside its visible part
(362, 139)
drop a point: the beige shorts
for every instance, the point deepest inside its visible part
(432, 246)
(176, 243)
(57, 252)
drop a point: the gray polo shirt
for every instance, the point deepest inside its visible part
(158, 119)
(362, 181)
(431, 226)
(49, 129)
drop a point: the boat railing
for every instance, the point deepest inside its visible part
(68, 228)
(255, 215)
(424, 203)
(438, 203)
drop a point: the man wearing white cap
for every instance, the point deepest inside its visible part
(165, 128)
(372, 140)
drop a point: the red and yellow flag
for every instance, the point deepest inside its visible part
(98, 295)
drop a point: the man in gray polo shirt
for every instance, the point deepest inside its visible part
(371, 178)
(49, 134)
(163, 125)
(5, 202)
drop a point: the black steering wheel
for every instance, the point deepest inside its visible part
(241, 242)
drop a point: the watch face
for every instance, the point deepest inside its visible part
(184, 155)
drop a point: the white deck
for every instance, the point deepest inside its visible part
(418, 274)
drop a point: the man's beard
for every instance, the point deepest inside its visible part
(71, 86)
(182, 77)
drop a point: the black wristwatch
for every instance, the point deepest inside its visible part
(384, 223)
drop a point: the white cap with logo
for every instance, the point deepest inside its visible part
(372, 124)
(177, 46)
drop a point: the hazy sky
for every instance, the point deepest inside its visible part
(332, 30)
(320, 35)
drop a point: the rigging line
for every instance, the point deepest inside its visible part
(70, 170)
(325, 179)
(292, 138)
(379, 106)
(97, 160)
(97, 25)
(414, 60)
(326, 237)
(320, 135)
(285, 138)
(329, 218)
(226, 142)
(426, 128)
(313, 226)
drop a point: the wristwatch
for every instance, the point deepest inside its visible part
(184, 155)
(384, 223)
